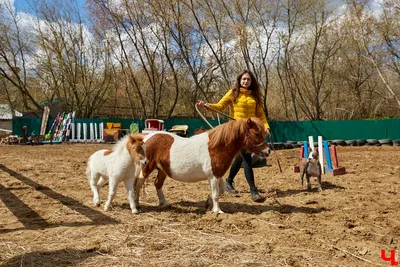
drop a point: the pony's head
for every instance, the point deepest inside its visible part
(137, 148)
(250, 132)
(255, 135)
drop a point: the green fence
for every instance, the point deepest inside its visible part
(281, 131)
(33, 124)
(332, 130)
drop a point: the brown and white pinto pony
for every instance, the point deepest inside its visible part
(206, 156)
(122, 163)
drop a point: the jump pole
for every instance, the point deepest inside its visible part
(305, 145)
(324, 150)
(311, 141)
(328, 156)
(336, 169)
(297, 167)
(321, 154)
(334, 157)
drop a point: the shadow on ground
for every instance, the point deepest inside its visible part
(59, 258)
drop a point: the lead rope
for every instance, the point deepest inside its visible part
(202, 116)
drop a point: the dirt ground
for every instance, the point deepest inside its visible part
(47, 217)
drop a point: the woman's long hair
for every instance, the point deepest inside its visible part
(254, 87)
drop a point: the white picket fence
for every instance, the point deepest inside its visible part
(81, 133)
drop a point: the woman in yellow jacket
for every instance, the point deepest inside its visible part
(244, 101)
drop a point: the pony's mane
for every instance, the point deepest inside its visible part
(120, 144)
(229, 132)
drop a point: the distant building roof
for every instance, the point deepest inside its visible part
(7, 114)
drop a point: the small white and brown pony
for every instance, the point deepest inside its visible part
(206, 156)
(122, 163)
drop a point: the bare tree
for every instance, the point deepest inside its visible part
(209, 20)
(319, 51)
(292, 19)
(189, 43)
(108, 26)
(161, 30)
(142, 56)
(157, 58)
(389, 29)
(354, 76)
(365, 34)
(15, 50)
(71, 64)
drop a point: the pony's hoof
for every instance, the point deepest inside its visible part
(96, 203)
(164, 205)
(135, 211)
(218, 211)
(106, 208)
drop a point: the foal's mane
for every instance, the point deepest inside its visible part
(120, 144)
(228, 132)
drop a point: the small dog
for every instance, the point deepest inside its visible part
(311, 167)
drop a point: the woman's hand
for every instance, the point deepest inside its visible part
(267, 132)
(201, 104)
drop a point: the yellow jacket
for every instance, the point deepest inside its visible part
(244, 107)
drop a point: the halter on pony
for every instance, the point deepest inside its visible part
(247, 138)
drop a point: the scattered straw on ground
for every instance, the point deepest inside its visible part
(47, 218)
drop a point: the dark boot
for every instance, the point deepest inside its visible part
(255, 196)
(237, 162)
(229, 188)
